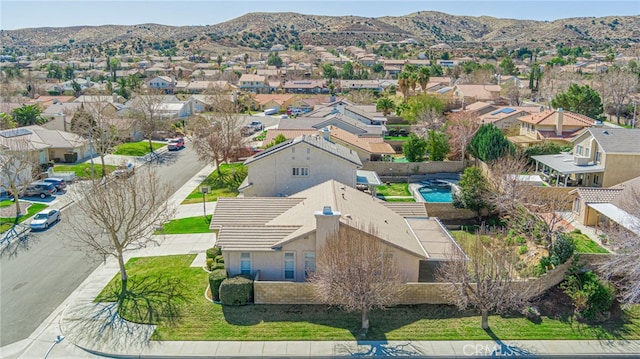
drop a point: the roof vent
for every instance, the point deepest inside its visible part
(605, 132)
(326, 210)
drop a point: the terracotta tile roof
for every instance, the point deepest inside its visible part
(548, 117)
(371, 145)
(278, 98)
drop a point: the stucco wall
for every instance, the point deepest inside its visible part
(620, 168)
(272, 175)
(413, 168)
(448, 211)
(413, 293)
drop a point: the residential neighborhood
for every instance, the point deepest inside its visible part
(320, 195)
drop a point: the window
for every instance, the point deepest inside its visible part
(597, 156)
(579, 150)
(576, 205)
(596, 179)
(587, 151)
(309, 263)
(289, 266)
(300, 171)
(245, 263)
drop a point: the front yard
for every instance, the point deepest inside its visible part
(187, 225)
(223, 183)
(192, 317)
(140, 148)
(8, 213)
(83, 170)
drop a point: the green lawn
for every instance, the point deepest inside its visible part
(396, 138)
(404, 199)
(394, 189)
(83, 170)
(137, 148)
(220, 186)
(7, 222)
(182, 313)
(186, 225)
(584, 244)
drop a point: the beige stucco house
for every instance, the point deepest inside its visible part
(297, 164)
(601, 157)
(280, 237)
(556, 126)
(45, 145)
(601, 207)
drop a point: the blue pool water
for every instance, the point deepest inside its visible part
(437, 193)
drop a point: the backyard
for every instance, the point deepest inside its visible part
(395, 192)
(223, 184)
(192, 317)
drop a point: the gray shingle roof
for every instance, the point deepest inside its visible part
(598, 195)
(617, 140)
(315, 141)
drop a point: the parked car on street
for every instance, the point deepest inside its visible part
(44, 219)
(256, 126)
(39, 189)
(59, 183)
(175, 144)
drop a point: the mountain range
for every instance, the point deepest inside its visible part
(263, 30)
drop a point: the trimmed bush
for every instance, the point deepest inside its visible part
(217, 266)
(236, 291)
(209, 263)
(562, 249)
(219, 259)
(216, 278)
(213, 252)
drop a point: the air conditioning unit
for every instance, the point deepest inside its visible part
(581, 160)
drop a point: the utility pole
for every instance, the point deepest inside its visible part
(635, 112)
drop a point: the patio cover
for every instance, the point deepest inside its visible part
(618, 215)
(563, 163)
(368, 178)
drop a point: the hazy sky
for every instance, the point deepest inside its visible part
(55, 13)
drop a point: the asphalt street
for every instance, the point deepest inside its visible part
(37, 275)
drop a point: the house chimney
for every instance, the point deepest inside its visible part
(327, 223)
(325, 132)
(559, 115)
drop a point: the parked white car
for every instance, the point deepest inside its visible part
(44, 219)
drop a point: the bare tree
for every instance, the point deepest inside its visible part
(119, 218)
(218, 138)
(485, 280)
(615, 87)
(623, 268)
(147, 114)
(461, 127)
(357, 272)
(509, 190)
(94, 121)
(512, 92)
(361, 97)
(18, 167)
(547, 204)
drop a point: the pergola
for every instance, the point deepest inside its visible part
(563, 166)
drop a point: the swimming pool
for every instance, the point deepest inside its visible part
(437, 191)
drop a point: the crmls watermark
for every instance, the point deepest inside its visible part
(488, 350)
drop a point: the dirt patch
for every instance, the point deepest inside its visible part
(10, 211)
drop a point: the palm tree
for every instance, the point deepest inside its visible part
(28, 115)
(403, 83)
(413, 81)
(386, 105)
(423, 77)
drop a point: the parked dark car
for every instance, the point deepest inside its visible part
(39, 189)
(59, 183)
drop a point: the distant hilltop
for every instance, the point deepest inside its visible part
(261, 31)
